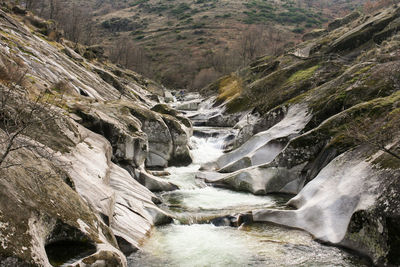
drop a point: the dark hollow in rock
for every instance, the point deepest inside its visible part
(61, 252)
(105, 219)
(125, 246)
(83, 92)
(393, 227)
(67, 243)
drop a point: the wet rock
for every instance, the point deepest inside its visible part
(245, 218)
(154, 183)
(126, 247)
(101, 259)
(262, 180)
(180, 138)
(158, 134)
(165, 109)
(159, 173)
(224, 221)
(236, 220)
(190, 105)
(224, 120)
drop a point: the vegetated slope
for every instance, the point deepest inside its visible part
(185, 43)
(189, 43)
(76, 139)
(327, 127)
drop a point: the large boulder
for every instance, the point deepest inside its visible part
(158, 135)
(113, 121)
(363, 33)
(262, 180)
(260, 149)
(41, 210)
(347, 205)
(110, 190)
(343, 21)
(180, 138)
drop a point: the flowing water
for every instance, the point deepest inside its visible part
(192, 241)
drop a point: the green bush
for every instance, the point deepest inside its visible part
(298, 30)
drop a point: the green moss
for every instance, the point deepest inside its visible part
(238, 104)
(363, 230)
(387, 161)
(364, 70)
(25, 51)
(302, 75)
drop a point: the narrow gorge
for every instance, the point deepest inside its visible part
(290, 161)
(211, 226)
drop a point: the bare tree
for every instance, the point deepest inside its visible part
(54, 8)
(204, 77)
(126, 53)
(21, 119)
(249, 42)
(257, 40)
(274, 40)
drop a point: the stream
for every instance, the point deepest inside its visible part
(191, 240)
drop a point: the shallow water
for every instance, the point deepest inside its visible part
(192, 241)
(255, 245)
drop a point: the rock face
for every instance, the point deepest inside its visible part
(322, 123)
(260, 148)
(334, 200)
(80, 179)
(365, 31)
(343, 21)
(118, 197)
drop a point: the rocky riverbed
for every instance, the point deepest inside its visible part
(205, 231)
(97, 167)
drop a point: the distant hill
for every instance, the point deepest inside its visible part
(184, 43)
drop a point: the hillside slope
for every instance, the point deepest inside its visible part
(322, 122)
(187, 44)
(77, 137)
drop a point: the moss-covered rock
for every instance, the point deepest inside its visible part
(348, 79)
(343, 21)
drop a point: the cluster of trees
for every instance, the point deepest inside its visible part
(129, 55)
(253, 42)
(74, 19)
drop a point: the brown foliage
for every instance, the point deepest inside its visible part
(372, 6)
(205, 77)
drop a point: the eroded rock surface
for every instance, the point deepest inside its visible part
(82, 182)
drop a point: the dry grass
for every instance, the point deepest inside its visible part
(230, 88)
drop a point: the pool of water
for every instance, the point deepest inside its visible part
(255, 245)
